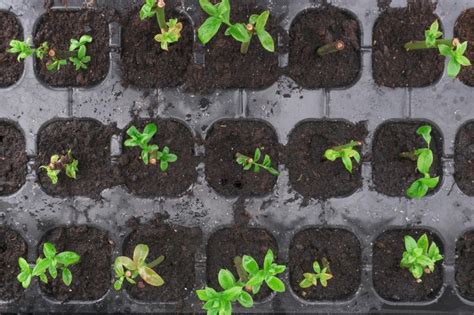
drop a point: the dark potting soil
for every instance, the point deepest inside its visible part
(313, 176)
(144, 63)
(465, 265)
(89, 142)
(149, 180)
(225, 67)
(12, 247)
(464, 159)
(224, 140)
(392, 174)
(464, 30)
(397, 284)
(13, 158)
(393, 66)
(91, 277)
(315, 28)
(10, 69)
(341, 249)
(178, 244)
(226, 244)
(58, 27)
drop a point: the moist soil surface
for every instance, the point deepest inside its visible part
(149, 180)
(178, 245)
(464, 30)
(465, 265)
(89, 142)
(393, 66)
(315, 28)
(313, 176)
(397, 284)
(144, 63)
(12, 246)
(58, 27)
(225, 139)
(341, 249)
(225, 67)
(10, 69)
(12, 159)
(226, 244)
(464, 159)
(392, 174)
(91, 277)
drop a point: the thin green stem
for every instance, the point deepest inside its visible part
(244, 48)
(409, 155)
(421, 44)
(243, 275)
(156, 262)
(347, 146)
(331, 48)
(160, 16)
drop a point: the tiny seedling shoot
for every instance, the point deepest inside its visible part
(248, 162)
(420, 257)
(450, 48)
(242, 32)
(77, 53)
(59, 163)
(128, 269)
(331, 48)
(51, 262)
(170, 31)
(323, 275)
(150, 152)
(424, 159)
(345, 153)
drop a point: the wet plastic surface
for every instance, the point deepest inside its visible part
(448, 212)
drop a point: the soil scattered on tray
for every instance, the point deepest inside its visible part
(13, 159)
(10, 69)
(12, 247)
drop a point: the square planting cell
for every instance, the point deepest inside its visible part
(464, 158)
(12, 247)
(13, 158)
(10, 69)
(465, 265)
(464, 30)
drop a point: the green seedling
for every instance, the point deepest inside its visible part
(345, 153)
(323, 275)
(418, 258)
(52, 262)
(424, 159)
(219, 14)
(331, 48)
(59, 163)
(450, 48)
(150, 152)
(170, 31)
(248, 162)
(128, 269)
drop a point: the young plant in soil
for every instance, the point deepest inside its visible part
(170, 31)
(345, 153)
(323, 275)
(128, 269)
(418, 258)
(331, 48)
(450, 48)
(248, 162)
(51, 262)
(242, 32)
(424, 159)
(77, 53)
(150, 152)
(59, 163)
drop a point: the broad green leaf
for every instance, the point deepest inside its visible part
(416, 271)
(262, 21)
(423, 243)
(226, 279)
(445, 50)
(49, 250)
(126, 262)
(430, 182)
(209, 29)
(232, 293)
(140, 253)
(118, 284)
(208, 7)
(461, 49)
(462, 60)
(306, 283)
(223, 9)
(250, 265)
(268, 260)
(275, 284)
(424, 161)
(239, 32)
(67, 276)
(453, 68)
(266, 40)
(245, 299)
(150, 276)
(257, 155)
(41, 266)
(425, 132)
(68, 258)
(316, 267)
(331, 155)
(410, 243)
(417, 189)
(23, 264)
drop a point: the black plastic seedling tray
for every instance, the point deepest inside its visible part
(185, 215)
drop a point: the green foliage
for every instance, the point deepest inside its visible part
(248, 162)
(22, 48)
(418, 257)
(456, 57)
(323, 275)
(345, 153)
(58, 163)
(80, 60)
(432, 34)
(267, 274)
(171, 36)
(51, 263)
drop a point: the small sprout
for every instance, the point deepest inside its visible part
(58, 163)
(128, 269)
(50, 263)
(80, 60)
(418, 258)
(323, 275)
(345, 153)
(268, 274)
(150, 152)
(248, 162)
(456, 57)
(331, 48)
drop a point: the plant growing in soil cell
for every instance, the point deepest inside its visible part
(345, 153)
(323, 275)
(220, 14)
(170, 31)
(58, 163)
(424, 160)
(248, 162)
(150, 152)
(51, 262)
(450, 48)
(418, 258)
(128, 269)
(331, 48)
